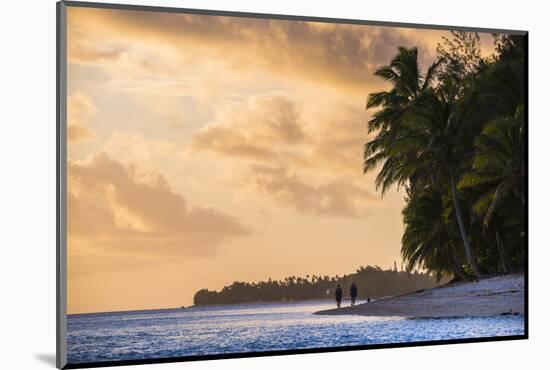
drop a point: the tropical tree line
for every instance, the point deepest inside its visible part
(372, 281)
(453, 137)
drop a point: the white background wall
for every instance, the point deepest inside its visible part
(27, 182)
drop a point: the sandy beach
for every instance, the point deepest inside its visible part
(487, 297)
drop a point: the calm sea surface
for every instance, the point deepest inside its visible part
(256, 327)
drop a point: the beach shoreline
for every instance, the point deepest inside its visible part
(500, 295)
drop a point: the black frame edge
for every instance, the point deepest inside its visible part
(526, 209)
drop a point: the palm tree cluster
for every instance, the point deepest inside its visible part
(372, 281)
(453, 137)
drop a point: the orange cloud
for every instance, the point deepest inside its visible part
(272, 140)
(121, 211)
(275, 129)
(331, 199)
(338, 55)
(255, 128)
(79, 109)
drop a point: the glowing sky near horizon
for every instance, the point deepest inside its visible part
(205, 150)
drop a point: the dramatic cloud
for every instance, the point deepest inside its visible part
(124, 211)
(257, 128)
(338, 55)
(338, 134)
(79, 109)
(275, 128)
(308, 162)
(331, 199)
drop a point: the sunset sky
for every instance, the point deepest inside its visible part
(204, 150)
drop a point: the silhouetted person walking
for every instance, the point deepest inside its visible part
(353, 293)
(338, 296)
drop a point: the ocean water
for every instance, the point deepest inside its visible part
(256, 327)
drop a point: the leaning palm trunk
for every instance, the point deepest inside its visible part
(502, 252)
(469, 254)
(458, 271)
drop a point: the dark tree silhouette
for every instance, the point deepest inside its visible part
(371, 281)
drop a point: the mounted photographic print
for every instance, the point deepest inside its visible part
(236, 184)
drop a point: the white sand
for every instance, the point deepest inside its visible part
(486, 297)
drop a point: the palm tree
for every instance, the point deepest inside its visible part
(422, 133)
(499, 160)
(499, 168)
(428, 241)
(444, 133)
(408, 82)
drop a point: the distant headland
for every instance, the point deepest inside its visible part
(372, 282)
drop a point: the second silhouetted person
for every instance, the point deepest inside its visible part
(353, 293)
